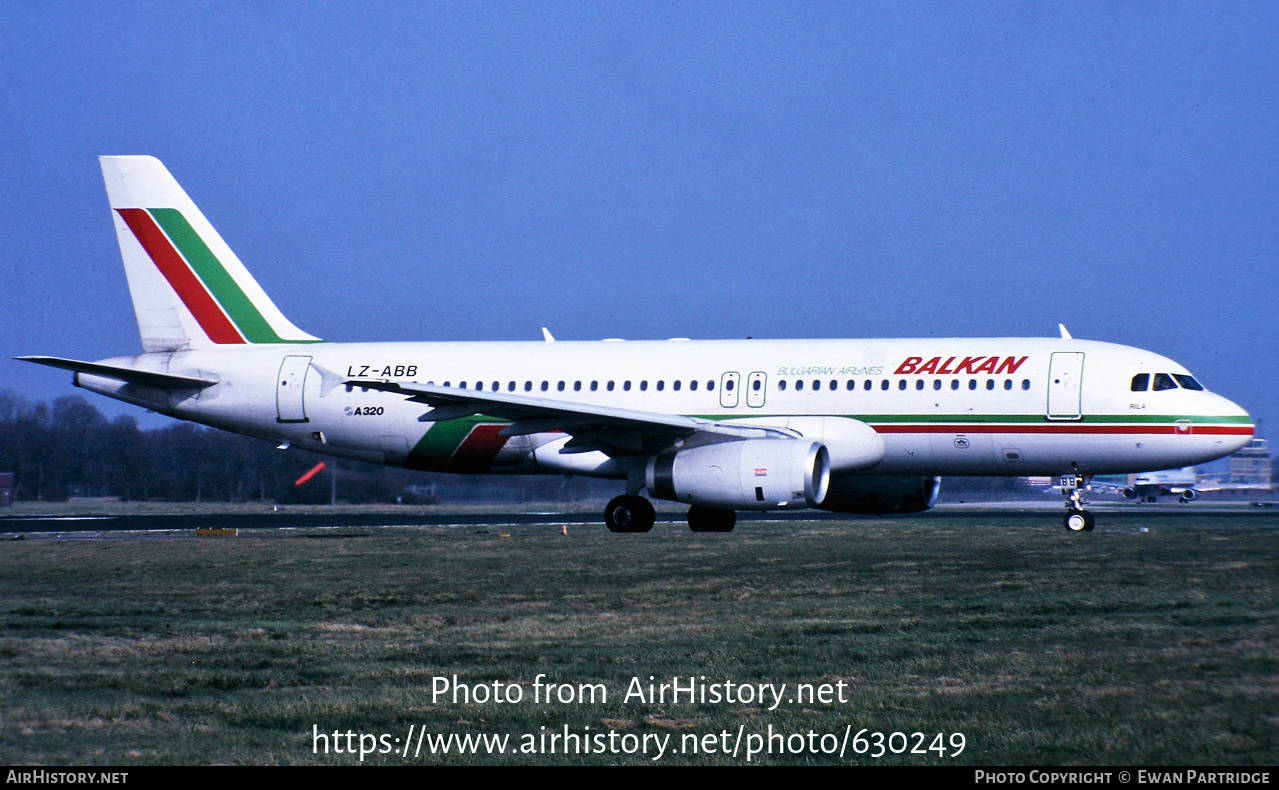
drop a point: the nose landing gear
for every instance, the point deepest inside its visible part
(1077, 519)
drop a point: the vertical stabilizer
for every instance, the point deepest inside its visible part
(189, 290)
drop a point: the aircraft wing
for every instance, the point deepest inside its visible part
(610, 430)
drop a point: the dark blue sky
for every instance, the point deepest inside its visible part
(433, 171)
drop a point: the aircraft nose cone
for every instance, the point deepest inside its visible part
(1241, 425)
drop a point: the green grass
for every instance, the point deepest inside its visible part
(1040, 646)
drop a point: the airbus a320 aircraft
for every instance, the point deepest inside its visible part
(851, 426)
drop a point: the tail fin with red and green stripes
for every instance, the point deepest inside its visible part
(189, 290)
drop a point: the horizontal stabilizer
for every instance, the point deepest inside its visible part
(146, 378)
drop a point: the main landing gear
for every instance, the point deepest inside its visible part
(1077, 519)
(711, 519)
(629, 513)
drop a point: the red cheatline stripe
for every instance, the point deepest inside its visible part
(1195, 429)
(190, 290)
(478, 449)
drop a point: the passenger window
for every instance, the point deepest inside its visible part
(936, 384)
(834, 385)
(594, 386)
(755, 385)
(1163, 382)
(1140, 382)
(781, 385)
(447, 384)
(852, 385)
(577, 386)
(510, 386)
(626, 385)
(884, 385)
(919, 384)
(609, 386)
(817, 384)
(1008, 384)
(901, 385)
(693, 385)
(728, 385)
(560, 386)
(461, 385)
(644, 385)
(954, 384)
(867, 385)
(1188, 382)
(546, 385)
(675, 385)
(497, 385)
(972, 384)
(528, 386)
(799, 384)
(661, 385)
(710, 385)
(1025, 384)
(990, 384)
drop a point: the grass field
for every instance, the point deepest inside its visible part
(1040, 646)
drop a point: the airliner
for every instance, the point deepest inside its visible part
(849, 426)
(1149, 486)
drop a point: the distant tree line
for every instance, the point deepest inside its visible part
(68, 448)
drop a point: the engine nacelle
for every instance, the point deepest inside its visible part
(880, 494)
(750, 474)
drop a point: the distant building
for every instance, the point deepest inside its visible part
(6, 489)
(1252, 465)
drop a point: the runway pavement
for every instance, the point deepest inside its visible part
(1009, 513)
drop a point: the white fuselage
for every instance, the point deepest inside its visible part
(994, 406)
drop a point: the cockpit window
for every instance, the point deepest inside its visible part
(1140, 382)
(1188, 382)
(1164, 382)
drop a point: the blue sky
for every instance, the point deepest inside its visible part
(439, 171)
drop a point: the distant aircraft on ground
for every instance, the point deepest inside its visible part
(1149, 486)
(851, 426)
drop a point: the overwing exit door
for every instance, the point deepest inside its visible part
(728, 390)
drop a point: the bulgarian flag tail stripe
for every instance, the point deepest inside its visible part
(219, 304)
(193, 293)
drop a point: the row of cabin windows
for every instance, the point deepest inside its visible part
(593, 386)
(756, 385)
(1165, 381)
(902, 384)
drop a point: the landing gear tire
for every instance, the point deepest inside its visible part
(1080, 521)
(711, 519)
(629, 514)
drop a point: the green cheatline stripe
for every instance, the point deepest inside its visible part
(1108, 419)
(437, 445)
(1033, 418)
(215, 277)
